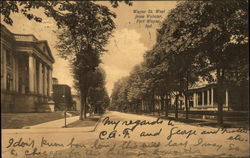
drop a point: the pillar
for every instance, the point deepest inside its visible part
(49, 82)
(16, 73)
(35, 77)
(226, 101)
(212, 97)
(208, 94)
(40, 79)
(13, 87)
(4, 71)
(31, 73)
(194, 99)
(184, 103)
(45, 81)
(202, 98)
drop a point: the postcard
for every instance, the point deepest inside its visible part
(114, 79)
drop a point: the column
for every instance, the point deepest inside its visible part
(194, 99)
(202, 98)
(184, 103)
(3, 79)
(212, 97)
(13, 87)
(16, 72)
(45, 81)
(226, 101)
(35, 77)
(40, 79)
(49, 82)
(208, 101)
(31, 74)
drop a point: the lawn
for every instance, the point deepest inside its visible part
(90, 121)
(20, 120)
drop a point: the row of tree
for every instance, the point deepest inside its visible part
(198, 40)
(84, 28)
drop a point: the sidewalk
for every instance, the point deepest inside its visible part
(48, 130)
(200, 121)
(52, 127)
(55, 124)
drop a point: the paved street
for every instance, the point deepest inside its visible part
(127, 135)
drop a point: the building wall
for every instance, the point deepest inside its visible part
(62, 97)
(26, 76)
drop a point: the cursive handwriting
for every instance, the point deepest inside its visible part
(176, 131)
(44, 142)
(21, 143)
(202, 143)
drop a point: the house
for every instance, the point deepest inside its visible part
(205, 97)
(26, 73)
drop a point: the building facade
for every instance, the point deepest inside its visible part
(26, 73)
(62, 97)
(205, 98)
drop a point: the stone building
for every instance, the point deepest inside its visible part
(26, 73)
(62, 97)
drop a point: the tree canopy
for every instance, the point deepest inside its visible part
(198, 40)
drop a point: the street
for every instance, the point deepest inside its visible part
(127, 135)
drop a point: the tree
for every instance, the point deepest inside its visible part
(119, 96)
(195, 39)
(55, 9)
(208, 31)
(87, 29)
(98, 96)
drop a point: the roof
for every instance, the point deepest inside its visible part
(30, 38)
(200, 88)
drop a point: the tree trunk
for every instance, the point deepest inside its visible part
(176, 106)
(142, 106)
(162, 104)
(85, 106)
(220, 74)
(166, 106)
(81, 110)
(82, 106)
(153, 102)
(186, 105)
(137, 107)
(83, 103)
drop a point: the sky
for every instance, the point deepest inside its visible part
(130, 40)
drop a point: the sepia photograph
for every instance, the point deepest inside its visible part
(124, 79)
